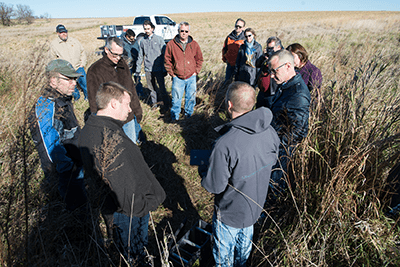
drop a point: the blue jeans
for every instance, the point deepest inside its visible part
(229, 71)
(132, 130)
(134, 233)
(232, 246)
(179, 87)
(82, 83)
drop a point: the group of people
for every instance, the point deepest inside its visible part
(254, 146)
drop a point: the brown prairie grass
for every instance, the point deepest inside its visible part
(333, 217)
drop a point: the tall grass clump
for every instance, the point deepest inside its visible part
(20, 180)
(335, 217)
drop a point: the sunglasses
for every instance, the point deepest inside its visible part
(238, 26)
(184, 31)
(248, 36)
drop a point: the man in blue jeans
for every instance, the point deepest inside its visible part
(71, 50)
(183, 61)
(238, 174)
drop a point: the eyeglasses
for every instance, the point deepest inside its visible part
(184, 31)
(273, 71)
(114, 54)
(238, 26)
(68, 79)
(248, 36)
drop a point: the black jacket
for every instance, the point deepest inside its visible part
(115, 166)
(290, 106)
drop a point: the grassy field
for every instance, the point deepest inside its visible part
(335, 217)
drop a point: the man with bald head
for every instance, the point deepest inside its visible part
(238, 174)
(290, 107)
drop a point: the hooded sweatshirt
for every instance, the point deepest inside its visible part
(240, 167)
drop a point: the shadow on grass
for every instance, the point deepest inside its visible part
(178, 204)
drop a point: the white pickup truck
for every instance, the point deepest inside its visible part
(164, 26)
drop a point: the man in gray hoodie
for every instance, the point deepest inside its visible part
(238, 174)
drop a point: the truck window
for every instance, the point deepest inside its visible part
(140, 20)
(164, 21)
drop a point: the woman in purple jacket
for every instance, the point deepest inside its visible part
(311, 75)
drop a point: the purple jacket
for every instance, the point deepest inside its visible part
(311, 75)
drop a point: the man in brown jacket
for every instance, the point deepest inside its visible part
(183, 61)
(111, 67)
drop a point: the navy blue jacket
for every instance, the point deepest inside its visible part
(290, 107)
(240, 167)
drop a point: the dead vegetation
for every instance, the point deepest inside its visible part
(335, 216)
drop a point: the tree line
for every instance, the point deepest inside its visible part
(20, 14)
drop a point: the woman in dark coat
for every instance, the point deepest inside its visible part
(249, 52)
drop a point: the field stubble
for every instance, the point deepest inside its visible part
(334, 217)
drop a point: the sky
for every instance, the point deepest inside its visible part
(130, 8)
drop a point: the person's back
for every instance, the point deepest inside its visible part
(251, 147)
(238, 174)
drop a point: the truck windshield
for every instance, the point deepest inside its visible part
(164, 21)
(140, 20)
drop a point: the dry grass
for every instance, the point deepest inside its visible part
(334, 217)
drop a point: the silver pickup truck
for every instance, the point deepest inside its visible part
(164, 26)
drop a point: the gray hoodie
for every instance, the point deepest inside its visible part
(240, 167)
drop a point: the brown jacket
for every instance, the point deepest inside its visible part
(104, 70)
(183, 63)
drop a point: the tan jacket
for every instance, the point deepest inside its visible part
(71, 51)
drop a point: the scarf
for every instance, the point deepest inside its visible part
(249, 53)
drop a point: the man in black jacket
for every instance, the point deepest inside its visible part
(120, 182)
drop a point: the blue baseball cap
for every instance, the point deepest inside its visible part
(61, 28)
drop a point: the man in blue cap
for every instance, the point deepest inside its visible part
(55, 131)
(71, 50)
